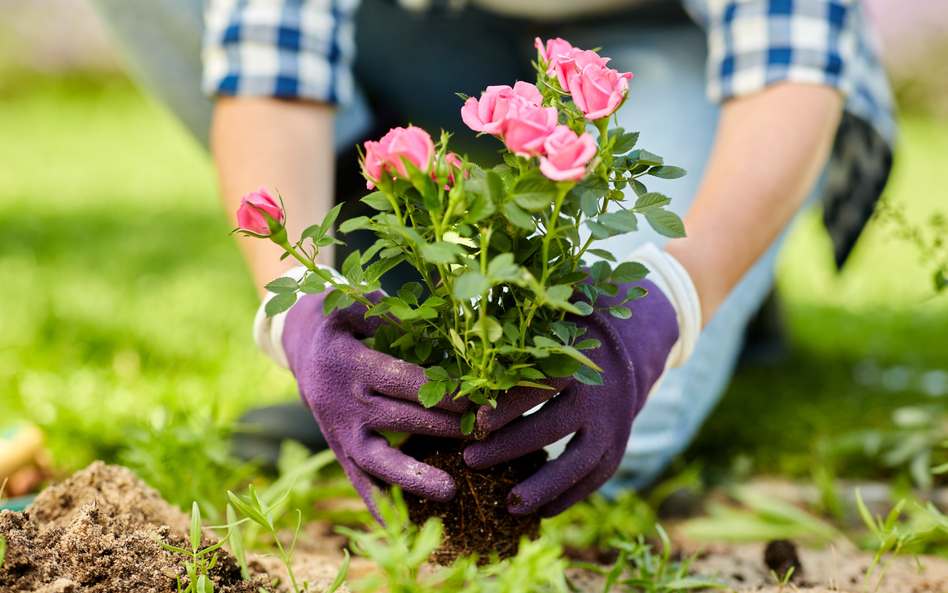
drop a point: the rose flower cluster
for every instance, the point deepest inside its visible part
(517, 115)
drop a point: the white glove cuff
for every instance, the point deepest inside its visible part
(672, 279)
(268, 331)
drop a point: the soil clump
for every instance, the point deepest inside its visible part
(476, 520)
(95, 533)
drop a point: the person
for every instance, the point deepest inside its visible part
(765, 102)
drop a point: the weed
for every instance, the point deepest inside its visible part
(200, 566)
(887, 532)
(647, 572)
(596, 521)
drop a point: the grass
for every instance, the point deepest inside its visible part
(127, 308)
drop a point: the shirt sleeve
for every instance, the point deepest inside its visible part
(755, 43)
(301, 49)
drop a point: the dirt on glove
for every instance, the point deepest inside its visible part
(96, 532)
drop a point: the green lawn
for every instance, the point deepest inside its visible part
(125, 305)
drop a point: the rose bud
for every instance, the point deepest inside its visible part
(553, 49)
(259, 214)
(598, 91)
(414, 144)
(567, 154)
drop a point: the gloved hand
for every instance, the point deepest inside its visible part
(354, 392)
(633, 357)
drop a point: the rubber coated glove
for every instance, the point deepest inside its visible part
(633, 355)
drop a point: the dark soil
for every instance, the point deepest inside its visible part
(780, 556)
(95, 532)
(476, 520)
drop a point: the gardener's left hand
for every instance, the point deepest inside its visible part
(633, 357)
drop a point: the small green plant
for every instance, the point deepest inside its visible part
(889, 536)
(3, 540)
(595, 521)
(200, 565)
(782, 582)
(400, 548)
(646, 571)
(262, 514)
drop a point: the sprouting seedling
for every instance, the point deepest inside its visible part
(237, 543)
(200, 566)
(782, 582)
(890, 539)
(262, 514)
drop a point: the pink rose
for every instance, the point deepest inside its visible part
(527, 127)
(567, 154)
(571, 63)
(488, 113)
(554, 47)
(597, 91)
(411, 143)
(454, 165)
(373, 162)
(250, 214)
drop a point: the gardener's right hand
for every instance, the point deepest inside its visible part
(354, 392)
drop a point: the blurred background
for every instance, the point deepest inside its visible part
(125, 308)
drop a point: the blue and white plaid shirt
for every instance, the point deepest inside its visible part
(305, 49)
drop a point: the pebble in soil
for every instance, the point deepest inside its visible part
(95, 533)
(476, 520)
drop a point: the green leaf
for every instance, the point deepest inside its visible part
(665, 223)
(503, 269)
(354, 224)
(457, 341)
(588, 376)
(589, 204)
(3, 549)
(377, 269)
(341, 576)
(250, 512)
(433, 302)
(647, 158)
(470, 285)
(667, 172)
(559, 365)
(377, 201)
(331, 216)
(237, 543)
(423, 350)
(652, 199)
(467, 423)
(603, 254)
(559, 293)
(408, 295)
(535, 201)
(518, 217)
(598, 231)
(692, 583)
(596, 187)
(638, 187)
(280, 303)
(312, 284)
(621, 312)
(494, 329)
(195, 526)
(636, 292)
(351, 262)
(583, 307)
(532, 373)
(431, 393)
(600, 271)
(332, 299)
(441, 252)
(579, 356)
(625, 143)
(437, 373)
(479, 207)
(629, 272)
(623, 221)
(283, 284)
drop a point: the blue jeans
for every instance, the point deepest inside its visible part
(161, 42)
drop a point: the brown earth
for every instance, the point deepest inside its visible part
(476, 520)
(95, 532)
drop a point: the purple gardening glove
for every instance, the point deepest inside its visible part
(354, 392)
(632, 356)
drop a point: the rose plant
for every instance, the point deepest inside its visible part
(501, 251)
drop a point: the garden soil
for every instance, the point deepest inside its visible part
(95, 532)
(476, 520)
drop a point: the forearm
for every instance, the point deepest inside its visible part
(769, 151)
(286, 146)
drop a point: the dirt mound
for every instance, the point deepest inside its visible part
(96, 533)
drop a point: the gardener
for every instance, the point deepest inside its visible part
(785, 79)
